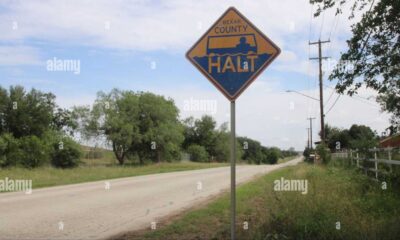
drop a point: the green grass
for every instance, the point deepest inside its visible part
(49, 176)
(363, 209)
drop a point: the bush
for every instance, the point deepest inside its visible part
(3, 149)
(10, 153)
(66, 154)
(35, 152)
(197, 153)
(324, 153)
(273, 155)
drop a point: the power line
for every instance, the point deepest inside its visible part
(361, 99)
(333, 104)
(330, 96)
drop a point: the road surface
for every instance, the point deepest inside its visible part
(98, 210)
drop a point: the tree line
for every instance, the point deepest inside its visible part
(358, 137)
(139, 126)
(33, 130)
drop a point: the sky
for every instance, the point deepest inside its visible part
(140, 45)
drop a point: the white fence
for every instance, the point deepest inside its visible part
(381, 156)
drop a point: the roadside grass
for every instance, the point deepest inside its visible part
(49, 176)
(335, 195)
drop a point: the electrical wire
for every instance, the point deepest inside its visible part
(333, 104)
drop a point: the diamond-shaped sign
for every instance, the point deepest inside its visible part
(232, 53)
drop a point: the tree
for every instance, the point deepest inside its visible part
(357, 137)
(251, 150)
(274, 154)
(223, 146)
(197, 153)
(373, 50)
(25, 114)
(28, 123)
(161, 131)
(139, 124)
(336, 138)
(66, 153)
(362, 137)
(202, 132)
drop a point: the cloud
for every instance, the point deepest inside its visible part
(18, 55)
(164, 25)
(142, 25)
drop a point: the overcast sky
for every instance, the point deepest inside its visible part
(140, 45)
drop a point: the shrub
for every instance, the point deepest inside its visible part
(66, 154)
(273, 155)
(197, 153)
(324, 153)
(3, 149)
(35, 152)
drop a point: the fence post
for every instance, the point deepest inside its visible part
(390, 158)
(351, 157)
(376, 163)
(358, 160)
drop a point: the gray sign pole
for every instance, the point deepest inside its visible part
(233, 170)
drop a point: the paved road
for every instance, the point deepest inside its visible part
(90, 211)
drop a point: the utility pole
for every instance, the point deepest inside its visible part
(311, 142)
(321, 95)
(308, 139)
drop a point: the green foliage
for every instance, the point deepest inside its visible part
(137, 124)
(223, 147)
(198, 153)
(373, 51)
(252, 150)
(35, 152)
(362, 138)
(26, 113)
(273, 155)
(201, 132)
(10, 151)
(66, 153)
(357, 137)
(324, 153)
(335, 137)
(28, 151)
(28, 122)
(216, 142)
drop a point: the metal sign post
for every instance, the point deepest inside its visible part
(233, 169)
(231, 54)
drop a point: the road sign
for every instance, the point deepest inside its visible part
(232, 53)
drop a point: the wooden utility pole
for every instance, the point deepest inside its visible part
(311, 142)
(321, 95)
(308, 138)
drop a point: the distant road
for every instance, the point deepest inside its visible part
(89, 211)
